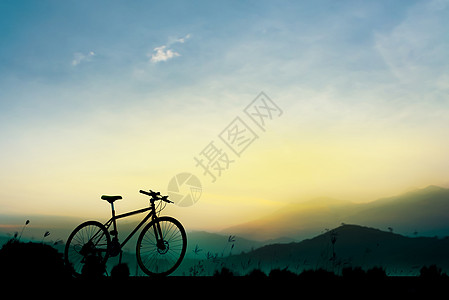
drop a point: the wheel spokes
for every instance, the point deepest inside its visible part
(90, 241)
(160, 256)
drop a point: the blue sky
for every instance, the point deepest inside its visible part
(98, 96)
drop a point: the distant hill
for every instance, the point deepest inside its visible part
(353, 246)
(201, 242)
(423, 211)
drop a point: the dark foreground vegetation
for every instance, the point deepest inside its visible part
(25, 264)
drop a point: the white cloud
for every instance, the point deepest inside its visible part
(79, 57)
(163, 53)
(183, 39)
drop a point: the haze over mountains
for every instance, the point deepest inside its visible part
(422, 211)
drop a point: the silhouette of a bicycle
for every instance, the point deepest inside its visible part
(160, 248)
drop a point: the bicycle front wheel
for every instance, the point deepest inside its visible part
(161, 246)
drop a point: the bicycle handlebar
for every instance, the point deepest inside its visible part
(155, 196)
(151, 193)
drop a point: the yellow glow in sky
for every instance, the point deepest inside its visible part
(362, 88)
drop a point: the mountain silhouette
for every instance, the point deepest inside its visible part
(422, 211)
(352, 246)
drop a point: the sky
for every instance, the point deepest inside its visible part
(110, 97)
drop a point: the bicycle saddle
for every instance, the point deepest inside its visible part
(111, 199)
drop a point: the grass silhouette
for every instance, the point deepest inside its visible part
(30, 261)
(25, 263)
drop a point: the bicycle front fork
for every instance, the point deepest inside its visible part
(159, 238)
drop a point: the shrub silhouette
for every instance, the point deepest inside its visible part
(355, 273)
(120, 271)
(31, 260)
(317, 275)
(281, 274)
(225, 272)
(431, 272)
(93, 267)
(376, 273)
(257, 274)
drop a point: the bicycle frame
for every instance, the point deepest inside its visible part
(112, 221)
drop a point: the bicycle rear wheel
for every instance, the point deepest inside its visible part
(87, 249)
(164, 256)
